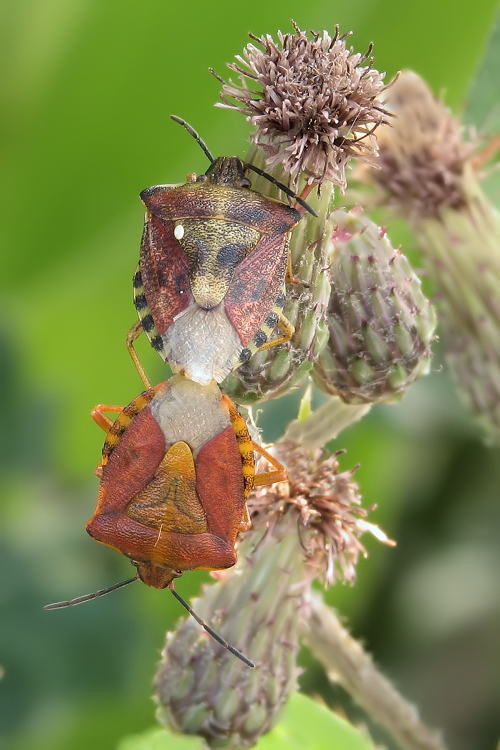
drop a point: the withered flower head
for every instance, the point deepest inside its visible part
(421, 155)
(313, 101)
(324, 503)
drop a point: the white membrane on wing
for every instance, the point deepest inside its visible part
(190, 412)
(202, 343)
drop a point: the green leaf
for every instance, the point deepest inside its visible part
(483, 105)
(160, 739)
(305, 725)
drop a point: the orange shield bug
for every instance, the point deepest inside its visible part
(177, 467)
(210, 286)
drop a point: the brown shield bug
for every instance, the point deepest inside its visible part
(177, 468)
(210, 286)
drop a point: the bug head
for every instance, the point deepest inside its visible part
(228, 170)
(231, 170)
(155, 574)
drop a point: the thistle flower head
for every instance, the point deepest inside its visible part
(325, 504)
(313, 101)
(422, 155)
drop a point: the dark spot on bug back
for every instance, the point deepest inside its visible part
(280, 300)
(182, 283)
(230, 255)
(245, 355)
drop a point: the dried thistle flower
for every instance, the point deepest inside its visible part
(312, 100)
(325, 503)
(302, 529)
(426, 170)
(422, 156)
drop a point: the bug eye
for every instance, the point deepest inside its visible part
(245, 182)
(202, 178)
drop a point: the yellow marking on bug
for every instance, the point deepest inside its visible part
(245, 446)
(179, 232)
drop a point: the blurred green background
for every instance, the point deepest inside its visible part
(87, 89)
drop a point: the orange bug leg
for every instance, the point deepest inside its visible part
(100, 417)
(132, 336)
(269, 477)
(487, 153)
(104, 423)
(261, 480)
(245, 522)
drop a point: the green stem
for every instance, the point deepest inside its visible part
(349, 665)
(325, 423)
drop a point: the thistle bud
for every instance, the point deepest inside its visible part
(380, 323)
(426, 171)
(283, 369)
(309, 527)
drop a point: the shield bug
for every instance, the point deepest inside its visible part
(176, 470)
(210, 286)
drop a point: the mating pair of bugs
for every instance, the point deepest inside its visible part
(178, 462)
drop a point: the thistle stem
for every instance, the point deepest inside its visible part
(349, 665)
(325, 423)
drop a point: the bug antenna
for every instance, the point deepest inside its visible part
(211, 632)
(88, 597)
(195, 135)
(284, 188)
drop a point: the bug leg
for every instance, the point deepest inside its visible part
(487, 153)
(269, 477)
(104, 423)
(290, 278)
(100, 417)
(287, 330)
(245, 522)
(132, 335)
